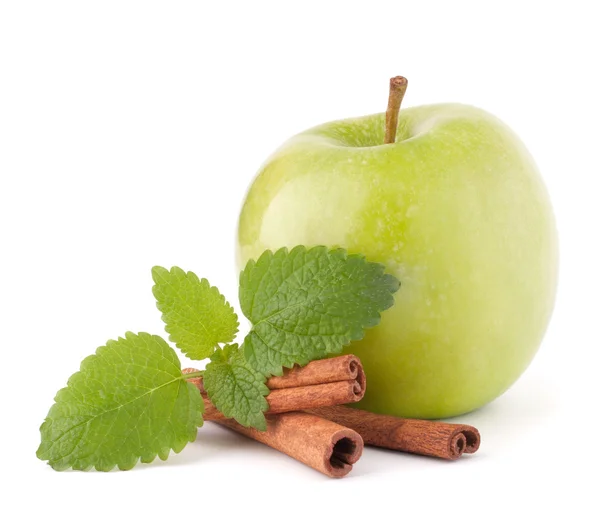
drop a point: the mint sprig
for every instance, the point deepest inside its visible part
(130, 401)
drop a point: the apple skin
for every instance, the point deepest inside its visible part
(458, 212)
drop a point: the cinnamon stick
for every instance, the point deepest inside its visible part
(327, 382)
(429, 438)
(341, 368)
(303, 397)
(319, 443)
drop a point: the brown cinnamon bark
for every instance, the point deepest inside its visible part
(327, 382)
(342, 368)
(319, 443)
(296, 399)
(430, 438)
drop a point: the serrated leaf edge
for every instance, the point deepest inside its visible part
(263, 391)
(163, 454)
(200, 281)
(391, 280)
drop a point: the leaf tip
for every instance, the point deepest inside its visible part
(157, 272)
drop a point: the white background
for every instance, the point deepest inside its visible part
(129, 132)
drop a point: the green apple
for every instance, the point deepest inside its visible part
(456, 209)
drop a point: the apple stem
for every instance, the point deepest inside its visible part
(398, 86)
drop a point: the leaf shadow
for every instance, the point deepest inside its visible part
(213, 440)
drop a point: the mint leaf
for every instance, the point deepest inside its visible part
(307, 303)
(128, 401)
(197, 316)
(237, 390)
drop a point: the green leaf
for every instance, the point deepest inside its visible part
(197, 316)
(236, 389)
(129, 401)
(307, 303)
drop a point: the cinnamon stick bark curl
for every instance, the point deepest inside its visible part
(326, 382)
(341, 368)
(319, 443)
(429, 438)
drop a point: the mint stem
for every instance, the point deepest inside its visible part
(193, 375)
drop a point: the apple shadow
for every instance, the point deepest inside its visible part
(515, 417)
(522, 410)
